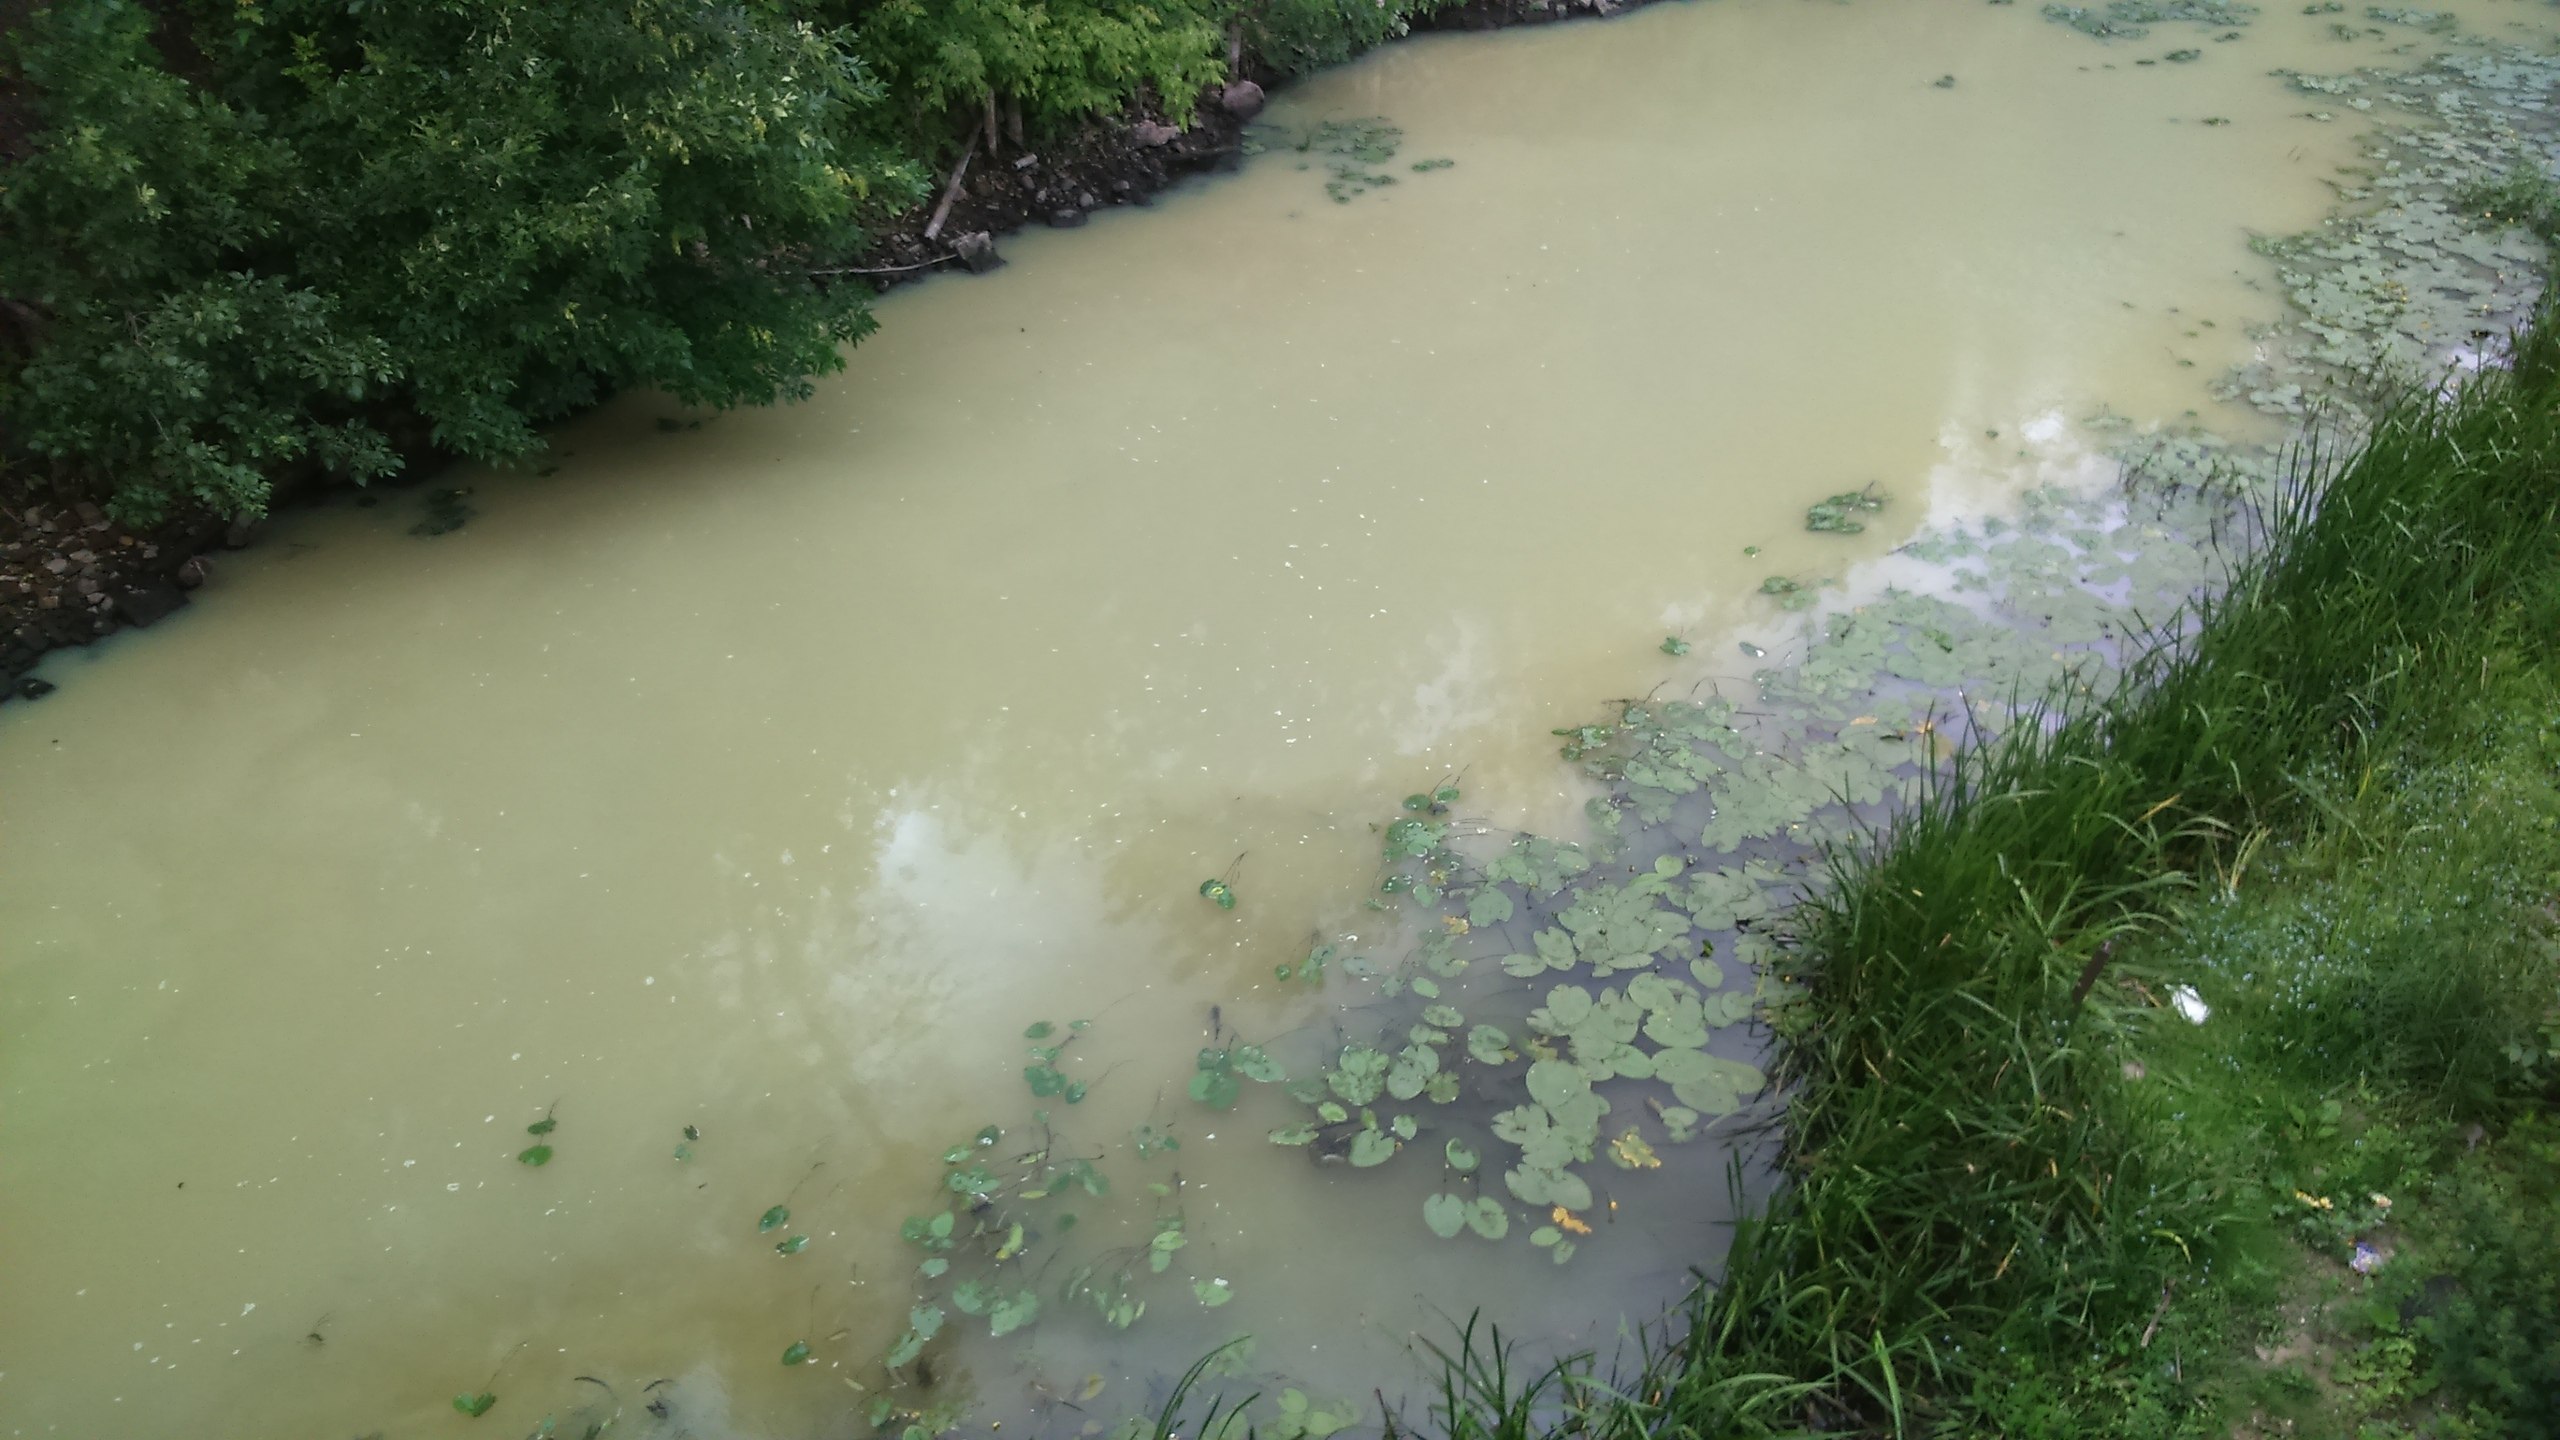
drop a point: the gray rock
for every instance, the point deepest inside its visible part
(1243, 99)
(32, 688)
(977, 250)
(151, 603)
(1065, 219)
(1153, 134)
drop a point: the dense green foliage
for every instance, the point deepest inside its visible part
(483, 213)
(265, 237)
(1057, 60)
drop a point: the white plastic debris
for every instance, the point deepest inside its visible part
(2190, 1004)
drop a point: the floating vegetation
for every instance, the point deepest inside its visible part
(1351, 152)
(2434, 22)
(1838, 514)
(445, 511)
(1042, 1074)
(2133, 19)
(1673, 645)
(475, 1406)
(1220, 891)
(539, 1155)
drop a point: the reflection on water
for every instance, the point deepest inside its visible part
(771, 778)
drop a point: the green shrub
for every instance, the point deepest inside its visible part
(1296, 36)
(1060, 61)
(485, 213)
(2484, 1291)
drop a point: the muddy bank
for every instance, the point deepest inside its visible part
(70, 576)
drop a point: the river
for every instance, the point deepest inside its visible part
(773, 773)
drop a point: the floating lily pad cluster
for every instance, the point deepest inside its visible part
(2133, 19)
(1840, 514)
(1354, 153)
(991, 1253)
(2407, 281)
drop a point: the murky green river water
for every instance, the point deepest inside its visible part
(772, 777)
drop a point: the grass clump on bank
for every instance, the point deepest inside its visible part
(1997, 1220)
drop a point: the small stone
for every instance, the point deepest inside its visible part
(1243, 99)
(57, 565)
(1085, 201)
(151, 603)
(977, 251)
(1153, 135)
(1065, 219)
(194, 573)
(31, 688)
(241, 532)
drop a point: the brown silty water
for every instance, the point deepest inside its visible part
(771, 777)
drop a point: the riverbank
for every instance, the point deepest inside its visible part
(2186, 1061)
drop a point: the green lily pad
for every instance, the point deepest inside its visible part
(1016, 1311)
(536, 1156)
(1300, 1134)
(1487, 1218)
(1372, 1147)
(1212, 1293)
(797, 1353)
(475, 1406)
(1360, 1076)
(1251, 1063)
(792, 1246)
(1461, 1158)
(773, 1219)
(1446, 1215)
(1413, 1068)
(1490, 1045)
(1217, 1089)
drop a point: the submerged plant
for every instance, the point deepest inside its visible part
(1838, 514)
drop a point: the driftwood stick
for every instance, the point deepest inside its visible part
(951, 192)
(885, 269)
(2089, 973)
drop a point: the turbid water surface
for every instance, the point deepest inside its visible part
(773, 776)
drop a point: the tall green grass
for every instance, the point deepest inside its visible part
(1974, 1197)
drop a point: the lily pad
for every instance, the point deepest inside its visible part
(1372, 1147)
(1446, 1215)
(1461, 1157)
(1014, 1312)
